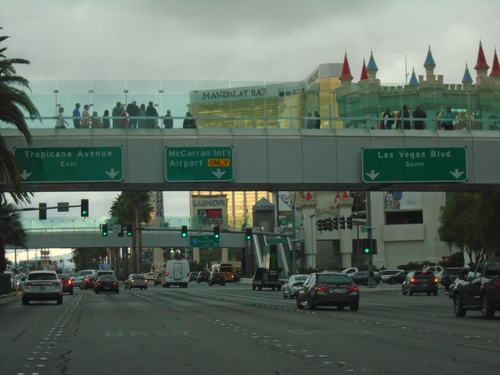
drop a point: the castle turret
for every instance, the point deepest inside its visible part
(495, 69)
(413, 79)
(467, 79)
(364, 73)
(372, 67)
(481, 65)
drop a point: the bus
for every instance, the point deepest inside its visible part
(227, 269)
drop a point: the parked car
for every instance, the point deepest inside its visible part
(328, 289)
(361, 278)
(349, 270)
(42, 286)
(202, 276)
(66, 282)
(385, 274)
(216, 278)
(193, 276)
(136, 280)
(294, 283)
(106, 283)
(449, 275)
(434, 269)
(87, 282)
(420, 282)
(397, 278)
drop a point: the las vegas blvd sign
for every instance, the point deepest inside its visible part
(70, 164)
(199, 164)
(432, 164)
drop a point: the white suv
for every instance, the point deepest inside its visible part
(42, 286)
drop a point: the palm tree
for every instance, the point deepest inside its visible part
(11, 231)
(132, 207)
(13, 101)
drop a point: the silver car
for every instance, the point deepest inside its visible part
(293, 284)
(42, 286)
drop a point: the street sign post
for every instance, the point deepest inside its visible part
(199, 164)
(70, 164)
(204, 241)
(440, 164)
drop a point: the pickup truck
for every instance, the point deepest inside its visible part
(478, 290)
(264, 279)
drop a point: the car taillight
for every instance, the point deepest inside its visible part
(352, 288)
(323, 288)
(99, 283)
(413, 280)
(114, 283)
(70, 282)
(146, 281)
(166, 273)
(436, 280)
(497, 285)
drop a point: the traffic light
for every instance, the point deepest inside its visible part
(349, 222)
(342, 222)
(319, 225)
(84, 206)
(42, 211)
(184, 231)
(335, 223)
(217, 232)
(104, 230)
(130, 230)
(367, 248)
(374, 247)
(329, 224)
(249, 234)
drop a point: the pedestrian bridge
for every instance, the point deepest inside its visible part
(272, 159)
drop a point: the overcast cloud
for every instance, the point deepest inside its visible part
(253, 40)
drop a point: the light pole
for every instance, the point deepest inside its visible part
(286, 200)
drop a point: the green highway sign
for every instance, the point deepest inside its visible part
(199, 164)
(204, 241)
(70, 164)
(432, 164)
(276, 240)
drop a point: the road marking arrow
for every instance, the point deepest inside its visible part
(25, 174)
(219, 173)
(457, 173)
(112, 173)
(372, 174)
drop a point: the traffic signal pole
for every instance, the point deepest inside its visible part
(370, 239)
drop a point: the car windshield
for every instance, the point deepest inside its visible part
(42, 276)
(137, 277)
(424, 275)
(63, 276)
(334, 279)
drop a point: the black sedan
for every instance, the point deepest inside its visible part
(202, 276)
(361, 278)
(216, 278)
(420, 282)
(397, 278)
(328, 289)
(106, 283)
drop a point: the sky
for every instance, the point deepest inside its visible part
(251, 40)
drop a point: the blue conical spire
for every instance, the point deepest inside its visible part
(429, 60)
(467, 77)
(371, 63)
(413, 79)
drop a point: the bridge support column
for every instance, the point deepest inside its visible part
(196, 254)
(344, 204)
(224, 255)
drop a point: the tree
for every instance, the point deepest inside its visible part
(462, 224)
(13, 101)
(11, 231)
(132, 207)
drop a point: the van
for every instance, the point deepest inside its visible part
(175, 272)
(80, 275)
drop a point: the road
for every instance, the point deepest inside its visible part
(205, 330)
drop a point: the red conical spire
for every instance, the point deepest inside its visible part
(364, 73)
(346, 71)
(495, 69)
(481, 60)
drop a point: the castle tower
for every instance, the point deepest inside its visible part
(372, 68)
(495, 69)
(467, 79)
(345, 77)
(429, 65)
(481, 65)
(364, 73)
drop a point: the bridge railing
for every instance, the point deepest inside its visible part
(260, 122)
